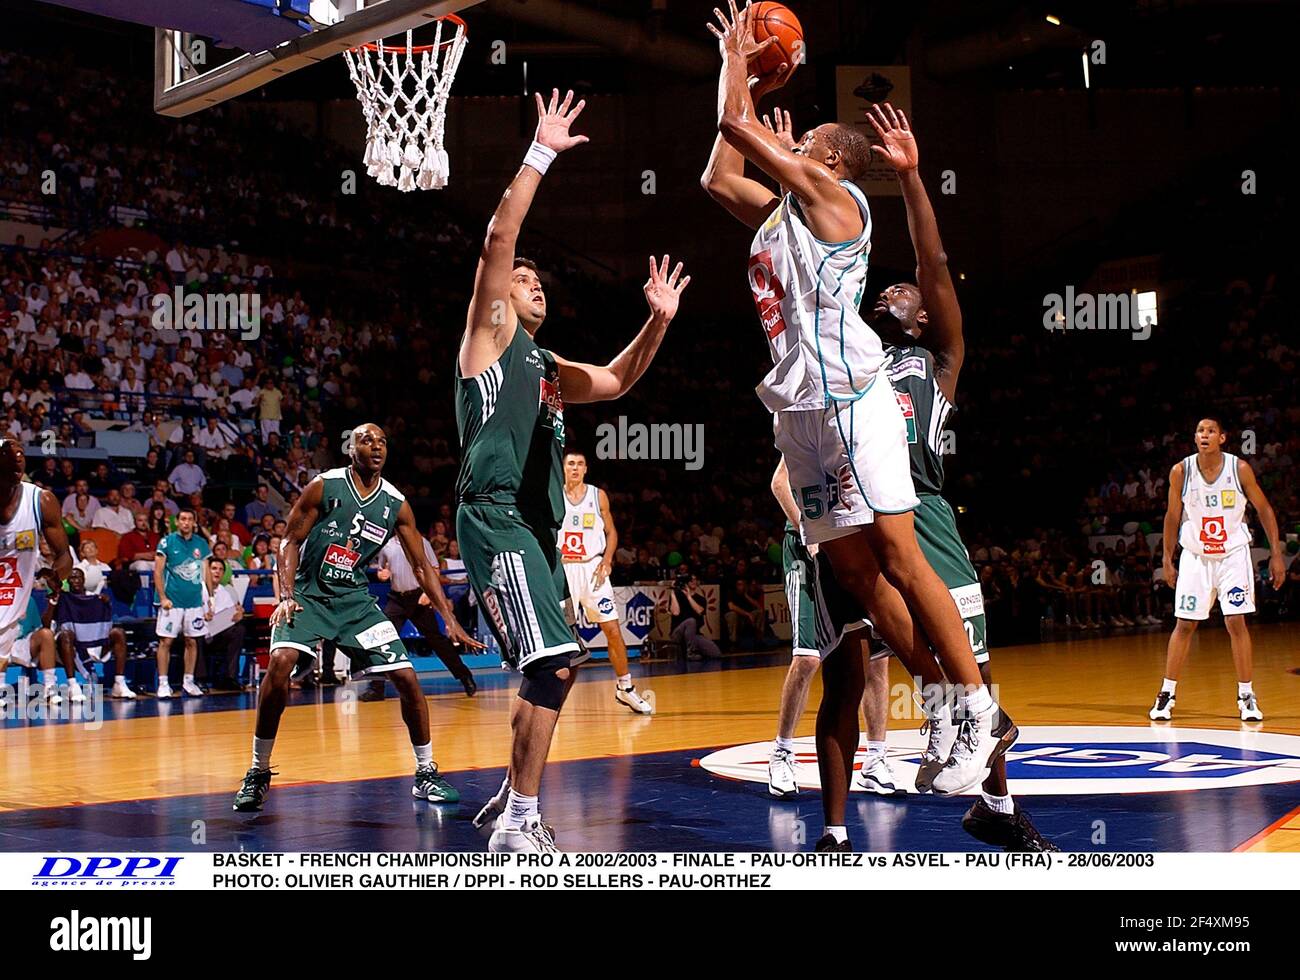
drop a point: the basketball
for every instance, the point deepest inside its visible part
(778, 21)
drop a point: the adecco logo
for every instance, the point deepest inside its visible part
(138, 871)
(1051, 761)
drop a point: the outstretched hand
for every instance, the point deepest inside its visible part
(897, 144)
(663, 294)
(781, 128)
(554, 120)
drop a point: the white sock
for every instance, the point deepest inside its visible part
(785, 743)
(876, 749)
(262, 752)
(975, 704)
(1244, 688)
(519, 808)
(625, 681)
(423, 754)
(189, 679)
(839, 833)
(1168, 687)
(1000, 804)
(50, 678)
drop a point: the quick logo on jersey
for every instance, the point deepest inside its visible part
(10, 581)
(768, 294)
(1214, 535)
(909, 414)
(573, 545)
(345, 559)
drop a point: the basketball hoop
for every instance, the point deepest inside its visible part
(403, 91)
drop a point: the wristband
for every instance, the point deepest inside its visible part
(539, 157)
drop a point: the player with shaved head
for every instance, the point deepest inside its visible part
(835, 418)
(337, 527)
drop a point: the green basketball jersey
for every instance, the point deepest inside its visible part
(511, 424)
(925, 410)
(349, 531)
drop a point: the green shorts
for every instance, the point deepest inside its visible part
(936, 530)
(514, 568)
(820, 611)
(353, 623)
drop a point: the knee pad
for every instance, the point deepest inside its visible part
(542, 685)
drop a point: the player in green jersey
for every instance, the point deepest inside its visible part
(341, 521)
(510, 396)
(924, 378)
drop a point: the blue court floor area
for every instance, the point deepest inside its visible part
(659, 802)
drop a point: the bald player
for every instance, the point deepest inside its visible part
(26, 514)
(337, 527)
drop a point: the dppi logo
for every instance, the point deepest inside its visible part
(1080, 760)
(130, 872)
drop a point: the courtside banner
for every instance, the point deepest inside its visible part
(430, 871)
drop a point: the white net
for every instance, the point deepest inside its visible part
(403, 92)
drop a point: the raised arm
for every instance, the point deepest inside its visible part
(830, 209)
(427, 576)
(1267, 517)
(580, 383)
(943, 331)
(491, 323)
(302, 518)
(1173, 517)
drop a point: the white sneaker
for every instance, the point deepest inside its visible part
(165, 689)
(1249, 706)
(121, 690)
(875, 776)
(629, 697)
(192, 689)
(534, 837)
(75, 694)
(783, 774)
(53, 697)
(1163, 709)
(981, 741)
(943, 732)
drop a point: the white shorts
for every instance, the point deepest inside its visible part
(20, 653)
(1200, 579)
(847, 462)
(176, 622)
(597, 603)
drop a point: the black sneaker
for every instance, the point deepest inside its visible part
(374, 692)
(467, 682)
(1011, 832)
(829, 845)
(251, 795)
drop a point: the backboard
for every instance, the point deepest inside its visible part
(209, 51)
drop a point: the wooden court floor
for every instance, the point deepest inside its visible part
(151, 750)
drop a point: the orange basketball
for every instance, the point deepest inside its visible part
(778, 21)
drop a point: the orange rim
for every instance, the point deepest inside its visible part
(378, 46)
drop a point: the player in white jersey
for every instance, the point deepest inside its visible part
(1206, 516)
(836, 420)
(587, 543)
(26, 514)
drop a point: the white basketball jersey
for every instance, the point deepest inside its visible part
(582, 535)
(807, 293)
(20, 556)
(1213, 513)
